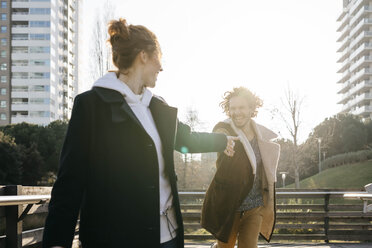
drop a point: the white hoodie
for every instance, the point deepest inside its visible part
(140, 107)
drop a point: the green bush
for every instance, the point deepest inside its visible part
(347, 158)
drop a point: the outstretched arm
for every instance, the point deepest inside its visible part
(200, 142)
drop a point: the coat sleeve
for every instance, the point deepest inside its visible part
(198, 142)
(68, 189)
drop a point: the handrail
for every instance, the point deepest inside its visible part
(287, 193)
(14, 200)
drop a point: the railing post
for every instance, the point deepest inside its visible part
(13, 230)
(326, 218)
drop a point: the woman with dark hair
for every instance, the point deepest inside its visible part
(116, 165)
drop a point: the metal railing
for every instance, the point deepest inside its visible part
(321, 215)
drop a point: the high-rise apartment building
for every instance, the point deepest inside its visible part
(39, 76)
(4, 62)
(356, 57)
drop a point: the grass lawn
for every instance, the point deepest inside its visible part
(350, 176)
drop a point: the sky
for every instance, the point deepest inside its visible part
(211, 46)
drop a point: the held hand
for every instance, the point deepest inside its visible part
(229, 151)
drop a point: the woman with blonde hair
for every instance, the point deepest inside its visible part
(116, 165)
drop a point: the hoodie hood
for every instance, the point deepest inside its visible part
(110, 81)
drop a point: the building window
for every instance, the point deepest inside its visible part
(40, 62)
(3, 5)
(40, 114)
(20, 63)
(40, 88)
(3, 29)
(3, 41)
(3, 17)
(3, 66)
(2, 104)
(39, 11)
(39, 49)
(3, 79)
(20, 37)
(3, 54)
(39, 36)
(20, 89)
(19, 100)
(20, 24)
(40, 24)
(3, 91)
(39, 75)
(18, 49)
(3, 117)
(19, 75)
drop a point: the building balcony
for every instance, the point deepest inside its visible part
(358, 99)
(344, 87)
(343, 13)
(345, 77)
(31, 4)
(344, 22)
(355, 6)
(344, 45)
(366, 109)
(362, 36)
(363, 22)
(345, 33)
(22, 82)
(30, 68)
(365, 9)
(345, 66)
(361, 62)
(364, 48)
(30, 17)
(366, 84)
(361, 74)
(344, 55)
(19, 107)
(36, 30)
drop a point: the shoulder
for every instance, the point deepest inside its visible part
(159, 98)
(86, 95)
(223, 127)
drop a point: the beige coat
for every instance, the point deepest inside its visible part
(233, 181)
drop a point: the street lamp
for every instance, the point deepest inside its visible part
(320, 160)
(283, 177)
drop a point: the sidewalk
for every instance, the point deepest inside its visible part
(340, 245)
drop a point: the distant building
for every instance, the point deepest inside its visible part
(39, 60)
(356, 57)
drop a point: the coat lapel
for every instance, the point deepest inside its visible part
(165, 118)
(120, 110)
(269, 151)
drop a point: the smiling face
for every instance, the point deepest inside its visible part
(151, 69)
(239, 111)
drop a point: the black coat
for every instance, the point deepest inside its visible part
(109, 171)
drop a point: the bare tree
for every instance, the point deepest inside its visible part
(193, 120)
(100, 51)
(291, 116)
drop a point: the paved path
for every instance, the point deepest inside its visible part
(273, 245)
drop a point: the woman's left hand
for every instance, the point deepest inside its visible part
(229, 151)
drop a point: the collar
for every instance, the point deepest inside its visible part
(113, 85)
